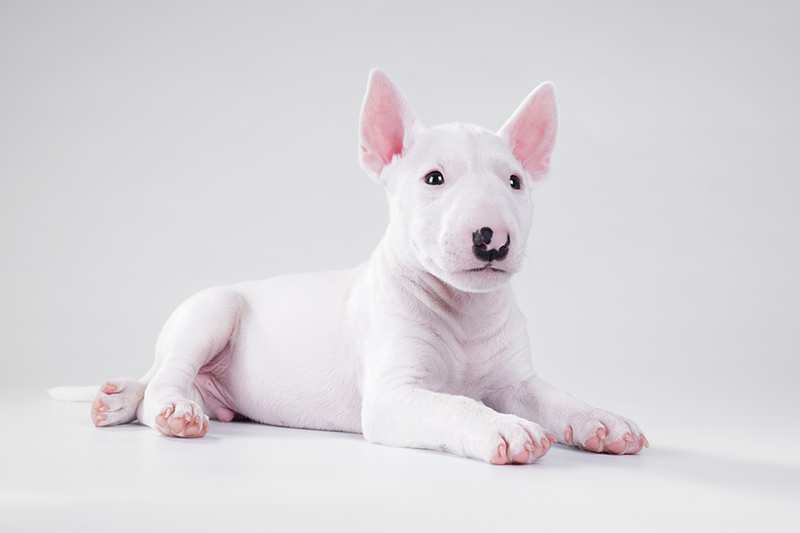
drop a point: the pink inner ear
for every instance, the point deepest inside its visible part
(384, 119)
(531, 131)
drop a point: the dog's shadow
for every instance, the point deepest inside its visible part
(670, 463)
(691, 466)
(673, 464)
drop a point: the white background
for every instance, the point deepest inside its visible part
(150, 150)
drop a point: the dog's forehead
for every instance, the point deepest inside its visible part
(463, 143)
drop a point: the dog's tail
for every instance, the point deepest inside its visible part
(89, 392)
(74, 394)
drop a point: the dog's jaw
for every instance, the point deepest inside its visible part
(471, 293)
(482, 280)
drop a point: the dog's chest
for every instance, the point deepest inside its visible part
(477, 358)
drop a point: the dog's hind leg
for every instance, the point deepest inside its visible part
(198, 331)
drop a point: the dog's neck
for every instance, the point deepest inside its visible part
(401, 277)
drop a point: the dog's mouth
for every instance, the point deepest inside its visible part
(488, 266)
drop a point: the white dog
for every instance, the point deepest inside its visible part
(422, 346)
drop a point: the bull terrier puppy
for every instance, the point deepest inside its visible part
(422, 346)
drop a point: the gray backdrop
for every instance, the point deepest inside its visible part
(148, 150)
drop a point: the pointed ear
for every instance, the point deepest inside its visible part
(531, 130)
(386, 123)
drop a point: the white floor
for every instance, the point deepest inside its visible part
(58, 473)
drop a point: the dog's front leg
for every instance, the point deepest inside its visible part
(414, 417)
(574, 422)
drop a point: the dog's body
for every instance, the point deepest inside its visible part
(421, 346)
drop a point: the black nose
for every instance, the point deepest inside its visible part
(481, 238)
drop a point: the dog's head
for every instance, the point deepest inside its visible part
(459, 195)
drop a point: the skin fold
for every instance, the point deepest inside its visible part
(421, 346)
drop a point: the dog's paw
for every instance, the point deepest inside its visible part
(603, 432)
(182, 418)
(116, 402)
(514, 440)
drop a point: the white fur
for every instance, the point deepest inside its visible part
(409, 348)
(73, 394)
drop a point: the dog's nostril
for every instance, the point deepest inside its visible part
(477, 239)
(502, 252)
(486, 233)
(482, 237)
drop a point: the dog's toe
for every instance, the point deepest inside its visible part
(182, 419)
(603, 432)
(518, 441)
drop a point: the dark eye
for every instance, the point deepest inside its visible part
(515, 182)
(434, 177)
